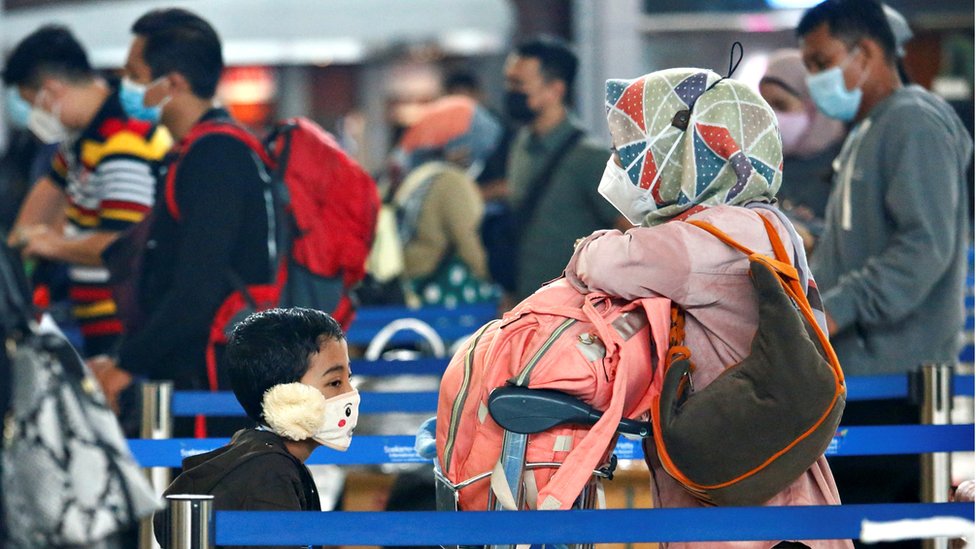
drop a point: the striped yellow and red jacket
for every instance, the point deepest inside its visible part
(107, 174)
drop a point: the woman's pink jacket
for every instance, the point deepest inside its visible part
(709, 280)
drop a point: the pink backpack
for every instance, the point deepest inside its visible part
(601, 350)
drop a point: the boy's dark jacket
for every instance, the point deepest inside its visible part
(254, 472)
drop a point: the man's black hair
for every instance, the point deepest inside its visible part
(557, 61)
(461, 79)
(274, 347)
(850, 21)
(181, 41)
(49, 51)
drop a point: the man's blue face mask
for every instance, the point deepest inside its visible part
(18, 110)
(829, 91)
(132, 97)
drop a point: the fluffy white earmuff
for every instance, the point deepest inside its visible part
(294, 410)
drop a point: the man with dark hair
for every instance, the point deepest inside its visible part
(101, 178)
(891, 262)
(552, 170)
(466, 83)
(212, 228)
(290, 371)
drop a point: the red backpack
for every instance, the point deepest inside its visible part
(326, 207)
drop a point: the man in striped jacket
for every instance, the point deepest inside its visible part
(101, 179)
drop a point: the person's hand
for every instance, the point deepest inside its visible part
(41, 242)
(112, 378)
(20, 237)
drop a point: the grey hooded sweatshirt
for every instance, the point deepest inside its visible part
(891, 263)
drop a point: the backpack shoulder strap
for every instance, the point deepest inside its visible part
(788, 276)
(214, 127)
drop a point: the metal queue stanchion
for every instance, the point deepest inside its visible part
(157, 423)
(936, 468)
(189, 522)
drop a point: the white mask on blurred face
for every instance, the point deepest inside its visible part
(793, 126)
(46, 125)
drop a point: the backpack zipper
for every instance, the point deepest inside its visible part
(524, 375)
(461, 397)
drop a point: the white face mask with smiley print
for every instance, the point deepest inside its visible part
(297, 411)
(340, 418)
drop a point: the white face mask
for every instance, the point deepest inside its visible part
(340, 418)
(47, 126)
(620, 191)
(629, 199)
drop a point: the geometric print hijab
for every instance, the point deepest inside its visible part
(726, 151)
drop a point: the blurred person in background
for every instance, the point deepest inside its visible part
(811, 140)
(24, 161)
(439, 208)
(100, 181)
(902, 33)
(497, 225)
(552, 168)
(464, 83)
(213, 228)
(892, 260)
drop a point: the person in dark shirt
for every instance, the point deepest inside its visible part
(221, 229)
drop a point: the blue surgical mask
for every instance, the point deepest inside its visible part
(18, 110)
(829, 92)
(132, 96)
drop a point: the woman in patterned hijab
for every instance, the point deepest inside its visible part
(691, 145)
(686, 139)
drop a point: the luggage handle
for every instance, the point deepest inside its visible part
(529, 411)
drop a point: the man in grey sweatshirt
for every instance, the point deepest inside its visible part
(891, 262)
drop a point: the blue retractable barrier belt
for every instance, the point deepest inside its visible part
(450, 324)
(895, 386)
(536, 527)
(189, 403)
(224, 403)
(415, 367)
(377, 449)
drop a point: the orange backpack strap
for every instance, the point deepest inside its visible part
(788, 275)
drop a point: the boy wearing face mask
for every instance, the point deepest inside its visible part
(891, 261)
(289, 369)
(100, 181)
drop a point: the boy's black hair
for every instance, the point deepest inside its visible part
(180, 41)
(557, 61)
(49, 51)
(274, 347)
(850, 21)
